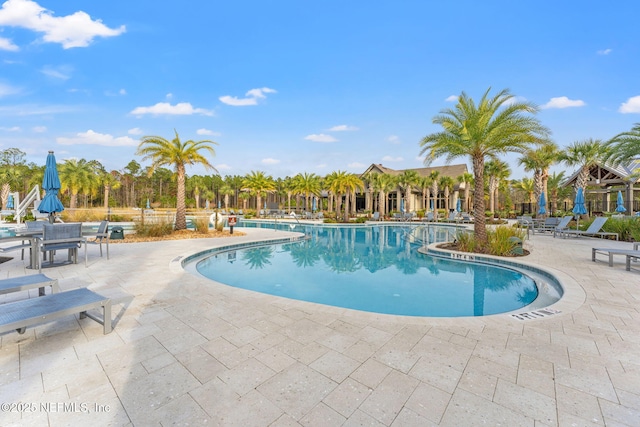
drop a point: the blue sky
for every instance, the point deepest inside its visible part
(300, 86)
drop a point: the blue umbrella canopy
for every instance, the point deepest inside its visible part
(51, 184)
(431, 204)
(402, 205)
(314, 205)
(620, 203)
(458, 206)
(542, 204)
(10, 201)
(148, 205)
(578, 203)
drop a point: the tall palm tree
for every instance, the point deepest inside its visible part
(466, 178)
(386, 184)
(526, 186)
(556, 190)
(258, 184)
(494, 126)
(496, 170)
(425, 186)
(344, 183)
(539, 161)
(176, 154)
(434, 176)
(110, 181)
(624, 147)
(406, 180)
(446, 183)
(197, 184)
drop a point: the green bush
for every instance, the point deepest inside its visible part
(500, 242)
(628, 229)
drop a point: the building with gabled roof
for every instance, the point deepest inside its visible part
(606, 180)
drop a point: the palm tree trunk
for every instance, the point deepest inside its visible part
(107, 189)
(181, 208)
(479, 221)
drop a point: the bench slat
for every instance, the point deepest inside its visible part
(23, 283)
(20, 314)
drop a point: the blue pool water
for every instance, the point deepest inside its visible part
(372, 268)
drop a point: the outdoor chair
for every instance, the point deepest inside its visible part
(592, 231)
(99, 237)
(562, 225)
(428, 217)
(466, 218)
(452, 217)
(376, 216)
(549, 224)
(62, 236)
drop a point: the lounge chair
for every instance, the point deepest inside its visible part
(630, 254)
(428, 217)
(562, 225)
(466, 218)
(453, 217)
(525, 222)
(376, 216)
(99, 237)
(592, 231)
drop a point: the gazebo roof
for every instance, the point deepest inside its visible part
(608, 175)
(450, 170)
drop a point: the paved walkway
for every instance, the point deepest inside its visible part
(185, 350)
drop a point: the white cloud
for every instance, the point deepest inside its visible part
(321, 166)
(75, 30)
(394, 139)
(6, 44)
(62, 73)
(93, 138)
(631, 106)
(320, 138)
(342, 128)
(251, 97)
(563, 102)
(452, 98)
(604, 52)
(135, 131)
(355, 165)
(39, 129)
(180, 109)
(11, 129)
(122, 91)
(392, 159)
(7, 90)
(270, 161)
(223, 167)
(169, 96)
(207, 132)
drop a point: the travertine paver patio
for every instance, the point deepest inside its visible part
(185, 350)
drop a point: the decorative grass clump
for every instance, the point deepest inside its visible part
(499, 241)
(153, 229)
(201, 225)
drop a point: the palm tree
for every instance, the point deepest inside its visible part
(467, 179)
(197, 185)
(526, 186)
(344, 183)
(110, 181)
(434, 176)
(75, 176)
(177, 154)
(585, 155)
(425, 186)
(307, 184)
(556, 190)
(624, 147)
(406, 180)
(386, 184)
(496, 170)
(539, 161)
(495, 126)
(446, 183)
(258, 184)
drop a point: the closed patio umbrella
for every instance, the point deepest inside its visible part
(458, 206)
(314, 205)
(51, 185)
(10, 201)
(620, 203)
(402, 205)
(578, 205)
(542, 204)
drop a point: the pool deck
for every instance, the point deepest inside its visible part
(187, 351)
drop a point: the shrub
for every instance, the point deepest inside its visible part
(500, 242)
(201, 225)
(153, 229)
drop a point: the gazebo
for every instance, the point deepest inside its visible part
(604, 183)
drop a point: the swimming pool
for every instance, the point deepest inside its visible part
(374, 268)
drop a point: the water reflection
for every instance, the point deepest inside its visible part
(375, 269)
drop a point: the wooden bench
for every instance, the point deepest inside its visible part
(21, 314)
(24, 283)
(630, 254)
